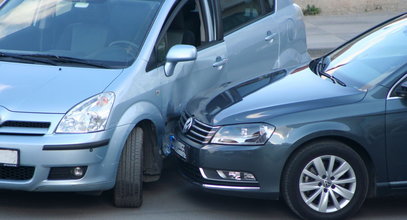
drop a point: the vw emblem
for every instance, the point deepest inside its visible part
(188, 124)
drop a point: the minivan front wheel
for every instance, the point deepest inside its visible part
(129, 180)
(325, 180)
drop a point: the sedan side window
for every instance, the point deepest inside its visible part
(237, 13)
(400, 90)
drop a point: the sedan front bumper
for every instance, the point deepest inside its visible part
(261, 161)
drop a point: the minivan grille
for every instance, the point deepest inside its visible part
(24, 128)
(199, 132)
(26, 124)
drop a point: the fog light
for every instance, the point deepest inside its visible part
(236, 175)
(67, 173)
(249, 176)
(77, 171)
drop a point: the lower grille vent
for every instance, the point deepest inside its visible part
(16, 173)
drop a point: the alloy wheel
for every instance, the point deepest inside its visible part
(327, 183)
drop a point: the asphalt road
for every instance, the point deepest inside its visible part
(169, 198)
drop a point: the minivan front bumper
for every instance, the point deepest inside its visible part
(41, 152)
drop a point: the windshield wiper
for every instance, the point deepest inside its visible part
(333, 78)
(51, 59)
(320, 71)
(27, 58)
(70, 60)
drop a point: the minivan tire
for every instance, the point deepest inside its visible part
(128, 191)
(306, 160)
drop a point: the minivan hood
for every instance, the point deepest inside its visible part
(49, 89)
(258, 101)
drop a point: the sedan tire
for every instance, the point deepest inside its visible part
(325, 180)
(129, 181)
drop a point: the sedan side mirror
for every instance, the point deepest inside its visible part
(178, 53)
(402, 90)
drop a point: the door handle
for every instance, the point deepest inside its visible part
(270, 36)
(220, 62)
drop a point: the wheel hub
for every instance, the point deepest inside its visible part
(326, 183)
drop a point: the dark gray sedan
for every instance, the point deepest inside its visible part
(323, 137)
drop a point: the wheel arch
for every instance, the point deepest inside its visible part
(152, 157)
(149, 118)
(353, 144)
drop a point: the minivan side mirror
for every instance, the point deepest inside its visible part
(401, 91)
(178, 53)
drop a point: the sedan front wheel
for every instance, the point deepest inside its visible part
(325, 180)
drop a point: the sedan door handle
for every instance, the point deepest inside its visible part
(220, 62)
(270, 36)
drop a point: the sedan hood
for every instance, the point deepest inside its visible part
(270, 96)
(49, 89)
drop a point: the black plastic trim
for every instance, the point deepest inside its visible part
(65, 173)
(77, 146)
(26, 124)
(205, 22)
(218, 20)
(21, 134)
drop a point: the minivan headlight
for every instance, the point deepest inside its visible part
(88, 116)
(243, 134)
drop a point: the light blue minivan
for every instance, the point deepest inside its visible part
(89, 88)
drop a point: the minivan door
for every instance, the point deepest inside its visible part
(190, 24)
(251, 33)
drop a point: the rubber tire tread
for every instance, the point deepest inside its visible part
(129, 180)
(301, 158)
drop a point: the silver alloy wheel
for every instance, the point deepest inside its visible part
(327, 184)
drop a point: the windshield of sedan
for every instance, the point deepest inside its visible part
(98, 33)
(370, 58)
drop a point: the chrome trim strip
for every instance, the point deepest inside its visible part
(209, 186)
(206, 125)
(203, 173)
(201, 170)
(199, 135)
(394, 86)
(203, 130)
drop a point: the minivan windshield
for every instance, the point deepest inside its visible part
(94, 33)
(370, 58)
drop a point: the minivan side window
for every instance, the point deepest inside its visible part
(186, 28)
(237, 13)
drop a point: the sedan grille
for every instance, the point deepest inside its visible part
(199, 132)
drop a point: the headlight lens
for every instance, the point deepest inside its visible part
(244, 134)
(88, 116)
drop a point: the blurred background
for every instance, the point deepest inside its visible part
(339, 7)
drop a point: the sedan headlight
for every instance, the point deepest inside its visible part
(243, 134)
(88, 116)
